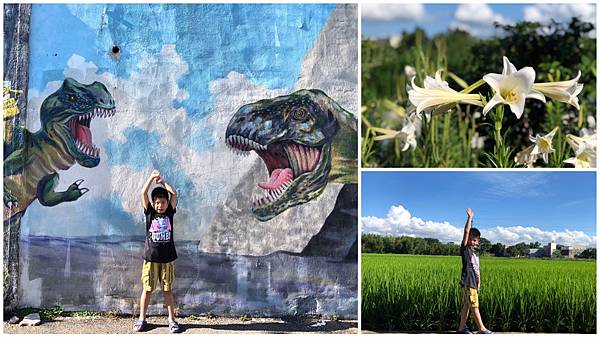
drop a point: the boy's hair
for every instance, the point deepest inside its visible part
(159, 192)
(474, 233)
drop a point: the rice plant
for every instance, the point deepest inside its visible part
(422, 293)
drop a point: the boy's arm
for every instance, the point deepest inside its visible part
(146, 187)
(172, 191)
(467, 227)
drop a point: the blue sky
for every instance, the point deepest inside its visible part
(548, 201)
(384, 20)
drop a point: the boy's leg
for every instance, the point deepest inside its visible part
(464, 313)
(478, 320)
(144, 301)
(170, 304)
(149, 276)
(166, 277)
(474, 298)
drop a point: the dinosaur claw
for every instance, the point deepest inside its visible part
(83, 191)
(78, 182)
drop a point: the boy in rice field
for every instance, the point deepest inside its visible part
(470, 278)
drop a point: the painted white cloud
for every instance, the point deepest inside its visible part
(399, 222)
(477, 19)
(145, 100)
(389, 12)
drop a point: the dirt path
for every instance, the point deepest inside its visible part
(194, 326)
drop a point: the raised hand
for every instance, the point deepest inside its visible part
(470, 212)
(155, 174)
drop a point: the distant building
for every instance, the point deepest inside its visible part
(570, 251)
(549, 249)
(536, 253)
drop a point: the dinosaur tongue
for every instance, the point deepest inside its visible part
(83, 134)
(277, 179)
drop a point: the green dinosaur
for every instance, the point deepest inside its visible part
(305, 139)
(65, 137)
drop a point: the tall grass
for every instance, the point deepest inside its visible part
(422, 293)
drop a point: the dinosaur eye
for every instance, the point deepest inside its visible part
(300, 114)
(71, 98)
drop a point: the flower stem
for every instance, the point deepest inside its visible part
(501, 152)
(473, 87)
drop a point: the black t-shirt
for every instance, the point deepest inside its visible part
(470, 267)
(159, 246)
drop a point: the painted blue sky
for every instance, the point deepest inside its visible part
(239, 31)
(384, 20)
(552, 202)
(203, 43)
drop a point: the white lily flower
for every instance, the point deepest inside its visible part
(512, 87)
(526, 156)
(563, 91)
(543, 144)
(478, 141)
(591, 121)
(407, 135)
(586, 158)
(585, 151)
(409, 71)
(395, 41)
(436, 95)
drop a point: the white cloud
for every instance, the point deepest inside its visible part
(516, 234)
(476, 18)
(399, 222)
(544, 13)
(515, 184)
(477, 13)
(389, 12)
(560, 12)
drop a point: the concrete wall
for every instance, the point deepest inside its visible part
(177, 74)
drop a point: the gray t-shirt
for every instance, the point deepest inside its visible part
(470, 267)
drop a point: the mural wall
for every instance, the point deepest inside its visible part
(249, 111)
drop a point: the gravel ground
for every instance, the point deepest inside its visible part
(158, 325)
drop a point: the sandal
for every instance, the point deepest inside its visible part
(465, 330)
(174, 327)
(140, 326)
(485, 332)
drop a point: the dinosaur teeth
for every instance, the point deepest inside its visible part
(244, 144)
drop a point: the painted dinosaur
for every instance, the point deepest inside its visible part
(65, 138)
(305, 139)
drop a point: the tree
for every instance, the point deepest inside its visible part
(557, 254)
(522, 249)
(484, 245)
(589, 253)
(498, 250)
(535, 245)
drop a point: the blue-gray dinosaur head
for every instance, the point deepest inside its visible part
(68, 113)
(293, 136)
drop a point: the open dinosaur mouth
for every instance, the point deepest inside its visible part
(285, 161)
(81, 132)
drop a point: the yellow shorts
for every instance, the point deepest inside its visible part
(471, 296)
(152, 272)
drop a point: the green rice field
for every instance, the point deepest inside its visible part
(422, 293)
